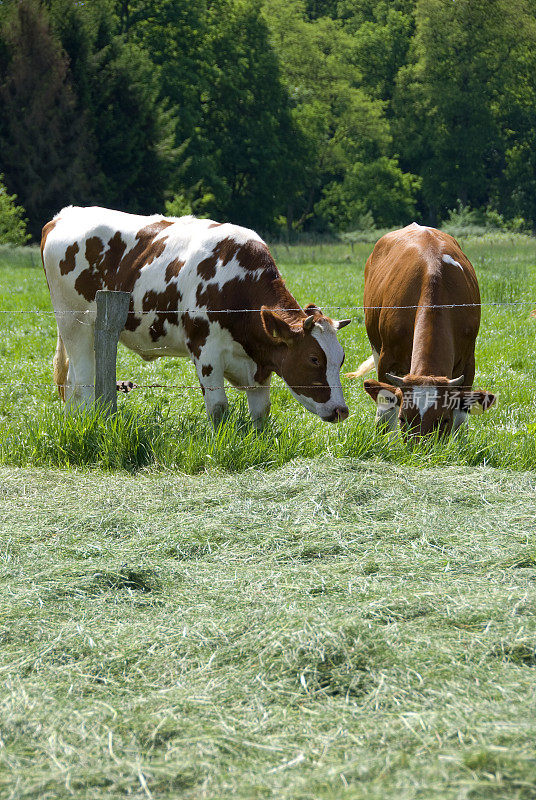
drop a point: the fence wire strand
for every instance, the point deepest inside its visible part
(206, 311)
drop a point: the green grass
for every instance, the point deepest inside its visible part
(305, 613)
(168, 427)
(331, 629)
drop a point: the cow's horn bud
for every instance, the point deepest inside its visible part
(308, 323)
(394, 380)
(457, 381)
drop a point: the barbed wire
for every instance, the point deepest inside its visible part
(198, 386)
(177, 387)
(199, 311)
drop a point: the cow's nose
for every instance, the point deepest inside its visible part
(338, 414)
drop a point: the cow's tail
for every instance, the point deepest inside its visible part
(61, 367)
(366, 366)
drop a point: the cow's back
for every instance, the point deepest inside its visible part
(174, 268)
(411, 278)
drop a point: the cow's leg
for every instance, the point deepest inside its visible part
(211, 381)
(78, 338)
(259, 403)
(459, 417)
(386, 414)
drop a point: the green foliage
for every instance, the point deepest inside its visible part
(382, 32)
(12, 218)
(178, 207)
(250, 140)
(467, 221)
(452, 97)
(307, 114)
(347, 134)
(44, 144)
(131, 132)
(379, 189)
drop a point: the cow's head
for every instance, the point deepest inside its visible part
(426, 404)
(309, 359)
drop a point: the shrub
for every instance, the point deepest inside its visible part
(12, 219)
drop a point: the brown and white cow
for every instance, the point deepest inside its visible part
(422, 314)
(195, 282)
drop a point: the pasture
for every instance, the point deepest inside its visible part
(307, 612)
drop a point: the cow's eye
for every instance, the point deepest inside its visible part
(315, 361)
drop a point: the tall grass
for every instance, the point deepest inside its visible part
(170, 428)
(135, 438)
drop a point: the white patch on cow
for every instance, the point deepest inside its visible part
(449, 260)
(424, 398)
(326, 336)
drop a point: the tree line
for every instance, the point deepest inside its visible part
(304, 115)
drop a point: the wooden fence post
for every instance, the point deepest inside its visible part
(112, 310)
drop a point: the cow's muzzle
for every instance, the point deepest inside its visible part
(338, 414)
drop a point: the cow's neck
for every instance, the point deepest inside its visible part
(432, 351)
(268, 355)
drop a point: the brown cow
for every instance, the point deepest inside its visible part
(422, 313)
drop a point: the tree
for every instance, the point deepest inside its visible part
(115, 81)
(344, 127)
(382, 31)
(447, 98)
(250, 141)
(12, 221)
(377, 190)
(237, 148)
(44, 151)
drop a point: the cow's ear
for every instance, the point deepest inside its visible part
(277, 327)
(476, 402)
(383, 394)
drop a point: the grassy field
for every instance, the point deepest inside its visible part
(189, 614)
(168, 427)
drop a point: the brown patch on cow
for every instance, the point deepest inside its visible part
(223, 251)
(306, 378)
(248, 292)
(133, 322)
(206, 369)
(262, 374)
(173, 269)
(116, 270)
(100, 274)
(166, 305)
(68, 262)
(252, 291)
(197, 330)
(206, 268)
(254, 255)
(215, 224)
(94, 248)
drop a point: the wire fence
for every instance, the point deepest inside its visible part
(201, 311)
(127, 385)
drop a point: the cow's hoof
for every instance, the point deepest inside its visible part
(125, 386)
(218, 414)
